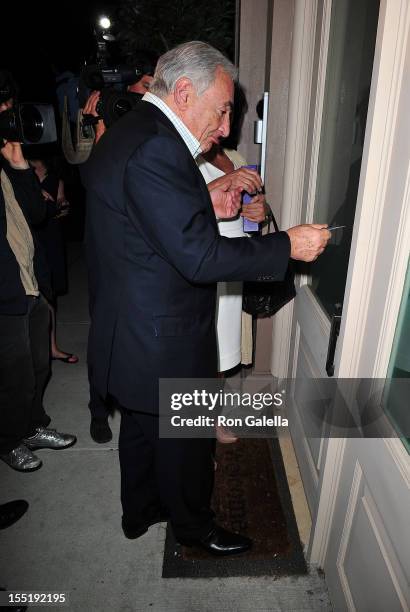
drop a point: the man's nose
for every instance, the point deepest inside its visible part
(225, 127)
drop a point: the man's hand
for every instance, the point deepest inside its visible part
(90, 108)
(226, 201)
(308, 241)
(243, 178)
(13, 153)
(256, 209)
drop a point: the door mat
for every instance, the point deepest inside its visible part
(251, 497)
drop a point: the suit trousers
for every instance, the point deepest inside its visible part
(99, 408)
(24, 371)
(165, 475)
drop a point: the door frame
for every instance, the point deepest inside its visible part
(306, 96)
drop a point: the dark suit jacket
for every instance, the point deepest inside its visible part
(154, 257)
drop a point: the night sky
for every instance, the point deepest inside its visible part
(38, 37)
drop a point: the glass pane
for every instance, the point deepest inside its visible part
(349, 72)
(397, 402)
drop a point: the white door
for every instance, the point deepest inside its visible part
(342, 170)
(331, 76)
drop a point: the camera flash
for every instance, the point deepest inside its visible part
(104, 23)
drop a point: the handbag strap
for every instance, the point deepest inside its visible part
(273, 221)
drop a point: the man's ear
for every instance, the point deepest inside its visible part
(184, 92)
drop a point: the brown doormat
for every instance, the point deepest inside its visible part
(252, 497)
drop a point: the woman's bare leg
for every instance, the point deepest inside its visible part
(57, 353)
(223, 434)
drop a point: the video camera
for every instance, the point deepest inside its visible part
(114, 102)
(110, 80)
(27, 123)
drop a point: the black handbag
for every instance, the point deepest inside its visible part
(264, 299)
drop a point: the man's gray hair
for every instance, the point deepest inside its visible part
(195, 60)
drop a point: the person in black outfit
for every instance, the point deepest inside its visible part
(51, 237)
(24, 314)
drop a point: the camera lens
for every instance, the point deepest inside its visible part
(32, 122)
(115, 104)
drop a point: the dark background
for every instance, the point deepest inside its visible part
(40, 39)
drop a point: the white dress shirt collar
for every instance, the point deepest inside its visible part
(191, 142)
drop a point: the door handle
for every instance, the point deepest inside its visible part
(334, 333)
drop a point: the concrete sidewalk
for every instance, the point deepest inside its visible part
(70, 541)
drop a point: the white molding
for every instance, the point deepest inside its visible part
(328, 491)
(318, 112)
(321, 454)
(395, 289)
(316, 328)
(400, 457)
(294, 363)
(299, 110)
(347, 528)
(383, 541)
(301, 74)
(308, 453)
(281, 336)
(311, 486)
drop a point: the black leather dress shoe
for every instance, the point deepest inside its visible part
(100, 431)
(133, 531)
(11, 512)
(221, 542)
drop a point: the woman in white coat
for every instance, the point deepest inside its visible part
(234, 328)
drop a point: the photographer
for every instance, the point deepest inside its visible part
(24, 315)
(145, 62)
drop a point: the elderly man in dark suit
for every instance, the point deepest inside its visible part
(154, 256)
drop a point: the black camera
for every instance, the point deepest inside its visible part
(26, 123)
(114, 102)
(29, 124)
(110, 79)
(98, 77)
